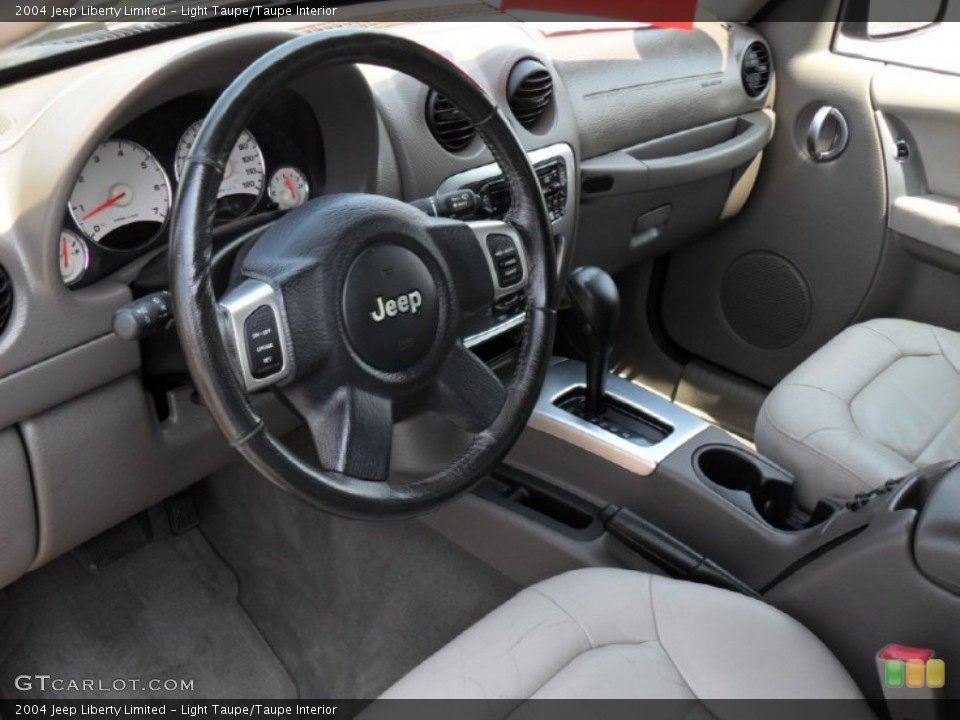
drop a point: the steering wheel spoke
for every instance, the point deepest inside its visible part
(352, 428)
(255, 331)
(504, 256)
(358, 308)
(467, 391)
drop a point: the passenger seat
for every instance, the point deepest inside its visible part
(878, 401)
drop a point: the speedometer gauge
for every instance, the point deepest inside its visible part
(243, 177)
(122, 196)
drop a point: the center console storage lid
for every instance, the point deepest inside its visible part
(936, 543)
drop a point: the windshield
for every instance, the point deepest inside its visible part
(46, 29)
(36, 32)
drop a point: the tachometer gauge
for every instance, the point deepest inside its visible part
(122, 196)
(74, 257)
(242, 182)
(288, 188)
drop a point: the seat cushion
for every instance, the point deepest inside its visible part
(876, 402)
(608, 633)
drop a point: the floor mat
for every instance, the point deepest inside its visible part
(166, 613)
(349, 607)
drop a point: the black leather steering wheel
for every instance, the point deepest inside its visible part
(367, 296)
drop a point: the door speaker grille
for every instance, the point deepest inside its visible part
(765, 300)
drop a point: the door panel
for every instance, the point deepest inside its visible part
(796, 267)
(921, 111)
(918, 114)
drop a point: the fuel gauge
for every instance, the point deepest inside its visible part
(74, 257)
(288, 188)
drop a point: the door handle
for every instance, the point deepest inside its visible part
(828, 134)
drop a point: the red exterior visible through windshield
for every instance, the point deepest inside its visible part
(665, 13)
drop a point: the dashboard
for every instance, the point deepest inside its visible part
(637, 137)
(121, 203)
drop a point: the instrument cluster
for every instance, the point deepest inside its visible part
(122, 199)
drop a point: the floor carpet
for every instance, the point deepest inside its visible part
(267, 598)
(165, 612)
(349, 607)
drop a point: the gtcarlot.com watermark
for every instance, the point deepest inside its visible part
(42, 683)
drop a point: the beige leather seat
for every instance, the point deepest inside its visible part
(878, 401)
(608, 633)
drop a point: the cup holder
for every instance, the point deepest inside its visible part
(748, 481)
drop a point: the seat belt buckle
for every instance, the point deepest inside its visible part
(912, 680)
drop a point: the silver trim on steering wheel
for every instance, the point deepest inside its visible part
(236, 307)
(484, 229)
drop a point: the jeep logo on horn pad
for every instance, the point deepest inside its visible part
(407, 303)
(391, 307)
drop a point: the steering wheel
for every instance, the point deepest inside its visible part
(352, 307)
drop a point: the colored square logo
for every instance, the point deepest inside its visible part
(894, 671)
(936, 673)
(916, 672)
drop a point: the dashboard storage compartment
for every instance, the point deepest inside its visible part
(747, 481)
(659, 194)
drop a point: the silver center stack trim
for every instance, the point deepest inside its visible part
(492, 170)
(570, 375)
(495, 331)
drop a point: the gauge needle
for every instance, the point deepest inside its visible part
(66, 254)
(290, 187)
(112, 201)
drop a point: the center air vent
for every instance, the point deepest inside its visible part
(6, 299)
(756, 71)
(447, 122)
(529, 91)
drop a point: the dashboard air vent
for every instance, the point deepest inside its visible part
(6, 299)
(755, 71)
(448, 123)
(529, 91)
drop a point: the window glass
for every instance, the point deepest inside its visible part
(889, 18)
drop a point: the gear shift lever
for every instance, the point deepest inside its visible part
(596, 303)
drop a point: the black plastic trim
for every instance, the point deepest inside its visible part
(6, 299)
(98, 51)
(811, 556)
(542, 502)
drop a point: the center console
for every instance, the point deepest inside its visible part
(612, 473)
(651, 479)
(860, 572)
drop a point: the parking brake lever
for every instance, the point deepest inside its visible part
(665, 551)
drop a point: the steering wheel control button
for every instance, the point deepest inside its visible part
(506, 260)
(263, 343)
(247, 310)
(390, 307)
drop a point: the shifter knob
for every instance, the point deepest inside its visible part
(596, 303)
